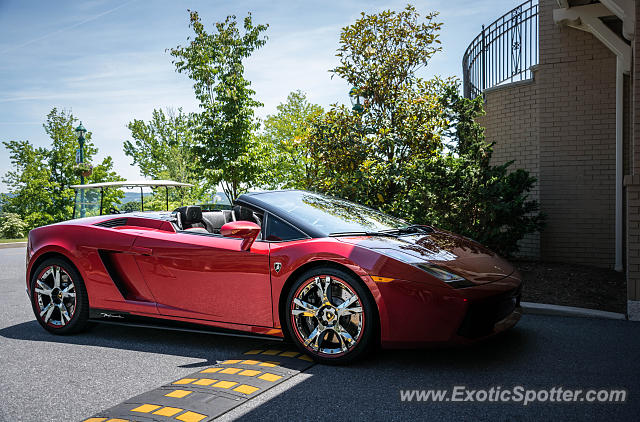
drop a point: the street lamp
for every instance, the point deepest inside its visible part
(80, 131)
(354, 97)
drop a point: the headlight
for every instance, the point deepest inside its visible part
(453, 280)
(438, 272)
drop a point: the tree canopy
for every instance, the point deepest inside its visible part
(223, 130)
(39, 183)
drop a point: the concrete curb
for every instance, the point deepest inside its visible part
(13, 245)
(557, 310)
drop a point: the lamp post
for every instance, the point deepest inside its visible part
(354, 97)
(80, 131)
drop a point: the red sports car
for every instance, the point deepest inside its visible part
(333, 276)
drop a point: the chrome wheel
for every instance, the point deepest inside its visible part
(327, 315)
(56, 296)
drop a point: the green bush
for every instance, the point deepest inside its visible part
(12, 226)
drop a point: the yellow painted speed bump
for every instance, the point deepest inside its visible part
(246, 389)
(210, 370)
(190, 417)
(168, 411)
(185, 381)
(249, 372)
(199, 398)
(146, 408)
(269, 377)
(224, 384)
(204, 381)
(178, 393)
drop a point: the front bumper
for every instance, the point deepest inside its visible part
(419, 314)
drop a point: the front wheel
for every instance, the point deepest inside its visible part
(331, 316)
(58, 297)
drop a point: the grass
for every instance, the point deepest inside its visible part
(24, 239)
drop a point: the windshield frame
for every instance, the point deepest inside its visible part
(265, 200)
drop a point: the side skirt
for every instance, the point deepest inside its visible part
(126, 319)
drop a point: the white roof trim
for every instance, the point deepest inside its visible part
(132, 183)
(586, 18)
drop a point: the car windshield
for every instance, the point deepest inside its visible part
(332, 216)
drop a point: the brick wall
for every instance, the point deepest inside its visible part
(564, 120)
(511, 121)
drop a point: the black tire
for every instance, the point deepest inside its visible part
(77, 319)
(300, 327)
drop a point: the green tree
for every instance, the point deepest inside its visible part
(30, 184)
(282, 147)
(41, 179)
(402, 119)
(461, 191)
(415, 149)
(12, 226)
(223, 132)
(163, 148)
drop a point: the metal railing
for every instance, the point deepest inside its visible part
(503, 52)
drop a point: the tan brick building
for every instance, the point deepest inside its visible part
(561, 82)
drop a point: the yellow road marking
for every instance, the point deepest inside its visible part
(225, 384)
(269, 364)
(210, 370)
(253, 352)
(289, 354)
(178, 393)
(118, 420)
(146, 408)
(249, 372)
(305, 357)
(269, 377)
(204, 381)
(228, 361)
(168, 411)
(185, 381)
(95, 420)
(230, 371)
(191, 417)
(246, 389)
(271, 352)
(250, 362)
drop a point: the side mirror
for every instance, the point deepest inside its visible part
(241, 230)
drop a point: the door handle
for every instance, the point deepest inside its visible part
(142, 251)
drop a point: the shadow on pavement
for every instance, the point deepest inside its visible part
(208, 347)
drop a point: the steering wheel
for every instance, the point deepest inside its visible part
(113, 211)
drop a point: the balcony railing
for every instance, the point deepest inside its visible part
(503, 52)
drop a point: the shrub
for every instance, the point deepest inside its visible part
(12, 226)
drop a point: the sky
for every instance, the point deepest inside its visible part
(106, 61)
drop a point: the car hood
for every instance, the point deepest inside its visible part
(449, 251)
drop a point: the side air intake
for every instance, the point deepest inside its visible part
(116, 222)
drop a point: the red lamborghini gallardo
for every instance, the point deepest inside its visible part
(332, 276)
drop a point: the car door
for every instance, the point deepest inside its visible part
(206, 276)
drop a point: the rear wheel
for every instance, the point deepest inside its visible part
(58, 297)
(330, 316)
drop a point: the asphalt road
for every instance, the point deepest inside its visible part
(52, 378)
